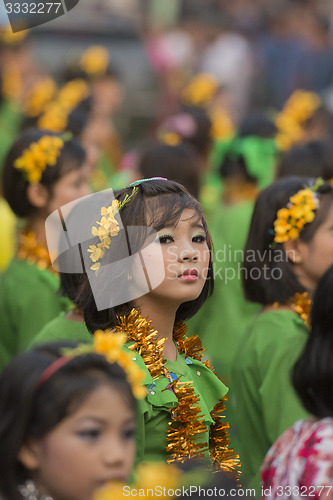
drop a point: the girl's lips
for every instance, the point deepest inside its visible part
(189, 275)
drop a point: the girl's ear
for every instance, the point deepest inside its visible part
(293, 251)
(37, 195)
(29, 456)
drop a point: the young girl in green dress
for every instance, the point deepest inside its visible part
(42, 172)
(166, 278)
(67, 421)
(289, 247)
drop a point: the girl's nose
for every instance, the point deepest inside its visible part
(188, 253)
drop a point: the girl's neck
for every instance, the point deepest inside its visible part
(37, 225)
(162, 320)
(75, 315)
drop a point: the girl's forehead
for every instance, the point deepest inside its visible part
(161, 212)
(188, 216)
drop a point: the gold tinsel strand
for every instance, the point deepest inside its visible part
(187, 422)
(32, 252)
(223, 458)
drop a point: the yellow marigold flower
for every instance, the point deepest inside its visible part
(170, 138)
(201, 89)
(281, 238)
(39, 96)
(96, 266)
(283, 214)
(96, 253)
(290, 221)
(293, 233)
(10, 38)
(106, 341)
(296, 211)
(281, 228)
(112, 209)
(95, 60)
(299, 107)
(222, 126)
(72, 93)
(38, 156)
(309, 216)
(157, 474)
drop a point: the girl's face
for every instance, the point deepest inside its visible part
(70, 187)
(316, 256)
(186, 260)
(93, 445)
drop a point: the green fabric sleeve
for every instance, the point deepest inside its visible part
(281, 406)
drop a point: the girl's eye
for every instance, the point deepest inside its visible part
(90, 434)
(165, 238)
(200, 238)
(128, 433)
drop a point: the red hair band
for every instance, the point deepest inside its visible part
(52, 368)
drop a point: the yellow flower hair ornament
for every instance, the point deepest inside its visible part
(299, 211)
(110, 345)
(39, 96)
(38, 156)
(300, 106)
(201, 90)
(56, 112)
(106, 228)
(94, 61)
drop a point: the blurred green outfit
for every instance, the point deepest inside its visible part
(266, 402)
(28, 300)
(62, 328)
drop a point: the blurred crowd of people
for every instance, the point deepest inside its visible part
(243, 120)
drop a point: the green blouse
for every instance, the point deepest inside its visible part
(154, 412)
(266, 403)
(28, 300)
(62, 328)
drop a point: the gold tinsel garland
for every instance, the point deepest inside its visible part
(301, 304)
(186, 419)
(32, 252)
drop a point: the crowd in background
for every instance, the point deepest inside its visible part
(234, 101)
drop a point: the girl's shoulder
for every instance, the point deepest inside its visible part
(282, 320)
(28, 275)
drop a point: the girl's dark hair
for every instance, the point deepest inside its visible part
(201, 139)
(79, 117)
(15, 184)
(29, 411)
(259, 124)
(234, 166)
(177, 163)
(314, 159)
(313, 371)
(156, 204)
(263, 255)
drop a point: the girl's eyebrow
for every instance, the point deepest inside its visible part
(195, 223)
(102, 420)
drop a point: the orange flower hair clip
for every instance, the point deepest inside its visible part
(107, 227)
(300, 211)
